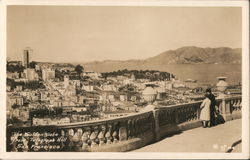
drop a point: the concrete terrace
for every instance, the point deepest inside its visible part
(219, 139)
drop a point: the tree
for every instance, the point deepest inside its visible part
(59, 74)
(15, 106)
(79, 69)
(15, 68)
(33, 64)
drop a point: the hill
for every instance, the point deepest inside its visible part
(184, 55)
(194, 55)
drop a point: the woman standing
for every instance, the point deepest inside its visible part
(205, 111)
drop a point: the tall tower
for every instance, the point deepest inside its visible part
(26, 55)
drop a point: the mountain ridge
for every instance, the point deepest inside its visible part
(183, 55)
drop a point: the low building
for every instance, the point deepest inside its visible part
(79, 108)
(88, 88)
(14, 75)
(11, 100)
(48, 74)
(30, 74)
(114, 114)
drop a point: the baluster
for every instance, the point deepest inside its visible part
(196, 112)
(63, 135)
(173, 115)
(84, 139)
(133, 129)
(101, 138)
(88, 132)
(70, 137)
(240, 104)
(129, 128)
(108, 134)
(147, 123)
(147, 126)
(78, 138)
(181, 114)
(93, 138)
(139, 126)
(115, 132)
(234, 105)
(186, 113)
(165, 115)
(190, 113)
(101, 135)
(142, 125)
(170, 114)
(114, 135)
(151, 121)
(161, 119)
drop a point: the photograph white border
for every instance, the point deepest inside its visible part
(128, 155)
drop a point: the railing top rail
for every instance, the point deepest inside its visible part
(88, 123)
(233, 97)
(179, 105)
(196, 102)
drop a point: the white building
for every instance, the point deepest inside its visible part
(66, 81)
(48, 74)
(30, 74)
(88, 88)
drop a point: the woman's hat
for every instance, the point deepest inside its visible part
(208, 90)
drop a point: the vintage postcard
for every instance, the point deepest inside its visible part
(124, 79)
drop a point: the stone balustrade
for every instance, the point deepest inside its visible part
(229, 105)
(79, 136)
(179, 113)
(89, 136)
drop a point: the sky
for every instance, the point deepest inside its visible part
(96, 33)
